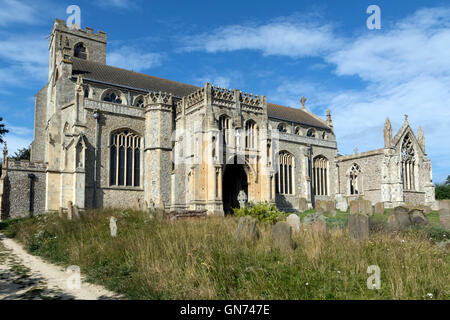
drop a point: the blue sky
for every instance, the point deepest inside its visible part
(282, 49)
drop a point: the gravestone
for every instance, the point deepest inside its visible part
(417, 217)
(69, 210)
(379, 207)
(294, 221)
(358, 226)
(242, 199)
(60, 212)
(76, 212)
(247, 228)
(444, 218)
(361, 207)
(320, 206)
(113, 226)
(341, 203)
(282, 235)
(331, 207)
(302, 205)
(399, 218)
(151, 213)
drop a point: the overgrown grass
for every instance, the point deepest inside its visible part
(202, 259)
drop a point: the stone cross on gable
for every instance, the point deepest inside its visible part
(406, 117)
(302, 101)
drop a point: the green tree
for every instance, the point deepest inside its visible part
(447, 182)
(22, 154)
(2, 130)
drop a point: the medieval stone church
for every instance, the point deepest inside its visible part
(105, 137)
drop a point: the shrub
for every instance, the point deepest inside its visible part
(263, 211)
(442, 191)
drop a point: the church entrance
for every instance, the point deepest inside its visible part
(234, 180)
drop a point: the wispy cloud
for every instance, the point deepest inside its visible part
(133, 59)
(13, 11)
(123, 4)
(292, 39)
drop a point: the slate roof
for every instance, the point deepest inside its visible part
(103, 73)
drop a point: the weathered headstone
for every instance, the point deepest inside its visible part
(69, 210)
(320, 206)
(113, 226)
(242, 199)
(294, 221)
(60, 212)
(341, 203)
(302, 205)
(361, 207)
(76, 212)
(399, 218)
(358, 226)
(354, 207)
(417, 217)
(247, 228)
(379, 207)
(282, 235)
(444, 218)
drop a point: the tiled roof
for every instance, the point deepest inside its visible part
(95, 71)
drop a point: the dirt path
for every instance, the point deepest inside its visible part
(27, 277)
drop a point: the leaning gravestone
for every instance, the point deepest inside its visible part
(379, 207)
(69, 210)
(113, 226)
(247, 228)
(358, 226)
(294, 221)
(399, 218)
(302, 205)
(282, 235)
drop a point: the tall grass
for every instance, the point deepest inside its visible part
(202, 259)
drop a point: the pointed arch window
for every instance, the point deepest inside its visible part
(284, 180)
(224, 127)
(408, 162)
(125, 159)
(298, 131)
(320, 176)
(79, 51)
(250, 134)
(355, 180)
(282, 127)
(139, 102)
(311, 133)
(113, 96)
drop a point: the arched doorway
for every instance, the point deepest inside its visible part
(234, 180)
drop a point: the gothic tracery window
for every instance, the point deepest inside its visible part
(79, 51)
(139, 102)
(113, 96)
(125, 159)
(320, 176)
(355, 179)
(224, 126)
(282, 127)
(284, 177)
(250, 134)
(408, 163)
(311, 133)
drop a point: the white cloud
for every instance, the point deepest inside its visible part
(132, 59)
(13, 11)
(292, 39)
(124, 4)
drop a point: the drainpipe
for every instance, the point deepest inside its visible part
(94, 195)
(31, 176)
(311, 177)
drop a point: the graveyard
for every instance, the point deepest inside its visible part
(259, 253)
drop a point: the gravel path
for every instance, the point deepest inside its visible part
(27, 277)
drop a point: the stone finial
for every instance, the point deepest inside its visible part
(302, 101)
(421, 138)
(5, 153)
(329, 121)
(355, 150)
(387, 133)
(406, 118)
